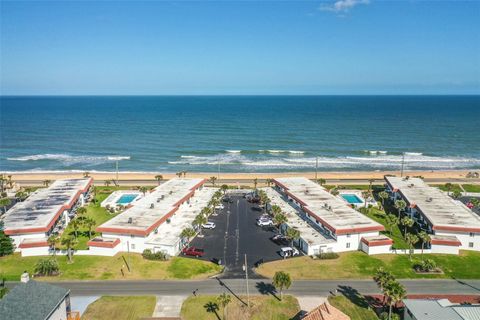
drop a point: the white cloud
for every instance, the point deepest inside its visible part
(341, 6)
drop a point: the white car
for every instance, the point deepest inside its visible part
(289, 252)
(208, 225)
(265, 222)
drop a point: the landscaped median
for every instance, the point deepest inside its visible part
(111, 268)
(120, 308)
(358, 265)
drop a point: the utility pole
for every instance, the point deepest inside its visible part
(246, 277)
(403, 161)
(316, 168)
(218, 175)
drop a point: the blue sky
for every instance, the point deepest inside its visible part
(225, 47)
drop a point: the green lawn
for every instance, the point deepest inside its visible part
(456, 187)
(357, 264)
(355, 306)
(472, 187)
(97, 213)
(261, 308)
(120, 308)
(109, 268)
(396, 234)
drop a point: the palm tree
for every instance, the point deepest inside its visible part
(321, 181)
(395, 292)
(255, 182)
(382, 277)
(449, 187)
(184, 173)
(69, 242)
(159, 178)
(456, 194)
(214, 203)
(335, 191)
(279, 219)
(475, 202)
(275, 210)
(281, 280)
(383, 195)
(292, 234)
(370, 181)
(224, 299)
(5, 202)
(411, 239)
(406, 223)
(81, 211)
(224, 188)
(400, 205)
(391, 221)
(269, 182)
(199, 220)
(365, 195)
(21, 195)
(179, 174)
(188, 233)
(86, 174)
(89, 223)
(75, 223)
(107, 183)
(46, 183)
(207, 211)
(425, 238)
(143, 190)
(53, 241)
(212, 180)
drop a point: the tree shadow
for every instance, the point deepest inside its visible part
(267, 288)
(212, 307)
(223, 284)
(354, 296)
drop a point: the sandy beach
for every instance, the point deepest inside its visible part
(144, 176)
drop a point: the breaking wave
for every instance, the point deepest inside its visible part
(69, 159)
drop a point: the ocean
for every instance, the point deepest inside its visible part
(239, 133)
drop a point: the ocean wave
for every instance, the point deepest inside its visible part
(233, 151)
(66, 158)
(413, 153)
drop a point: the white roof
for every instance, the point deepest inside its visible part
(309, 234)
(38, 212)
(439, 208)
(147, 213)
(334, 212)
(443, 309)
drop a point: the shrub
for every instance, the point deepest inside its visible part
(46, 267)
(384, 316)
(427, 265)
(149, 255)
(327, 255)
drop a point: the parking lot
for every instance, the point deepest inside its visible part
(235, 235)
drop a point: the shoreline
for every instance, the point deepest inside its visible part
(337, 175)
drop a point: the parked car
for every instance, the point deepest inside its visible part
(280, 239)
(208, 225)
(193, 251)
(263, 223)
(289, 252)
(227, 199)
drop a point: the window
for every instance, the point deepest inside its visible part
(133, 246)
(470, 244)
(472, 234)
(348, 244)
(348, 235)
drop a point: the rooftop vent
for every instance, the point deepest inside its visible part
(429, 200)
(130, 220)
(152, 206)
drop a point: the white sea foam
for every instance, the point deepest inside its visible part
(66, 158)
(413, 153)
(233, 151)
(296, 152)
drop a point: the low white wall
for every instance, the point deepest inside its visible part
(436, 248)
(37, 251)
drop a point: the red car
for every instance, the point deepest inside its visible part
(193, 251)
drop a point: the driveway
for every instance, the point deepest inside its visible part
(236, 235)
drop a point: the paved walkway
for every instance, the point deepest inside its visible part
(308, 303)
(168, 306)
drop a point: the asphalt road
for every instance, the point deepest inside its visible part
(238, 287)
(236, 235)
(151, 182)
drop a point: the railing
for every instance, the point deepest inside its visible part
(73, 315)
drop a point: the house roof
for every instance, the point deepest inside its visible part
(333, 212)
(443, 309)
(32, 300)
(326, 311)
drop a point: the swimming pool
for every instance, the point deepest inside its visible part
(126, 198)
(351, 198)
